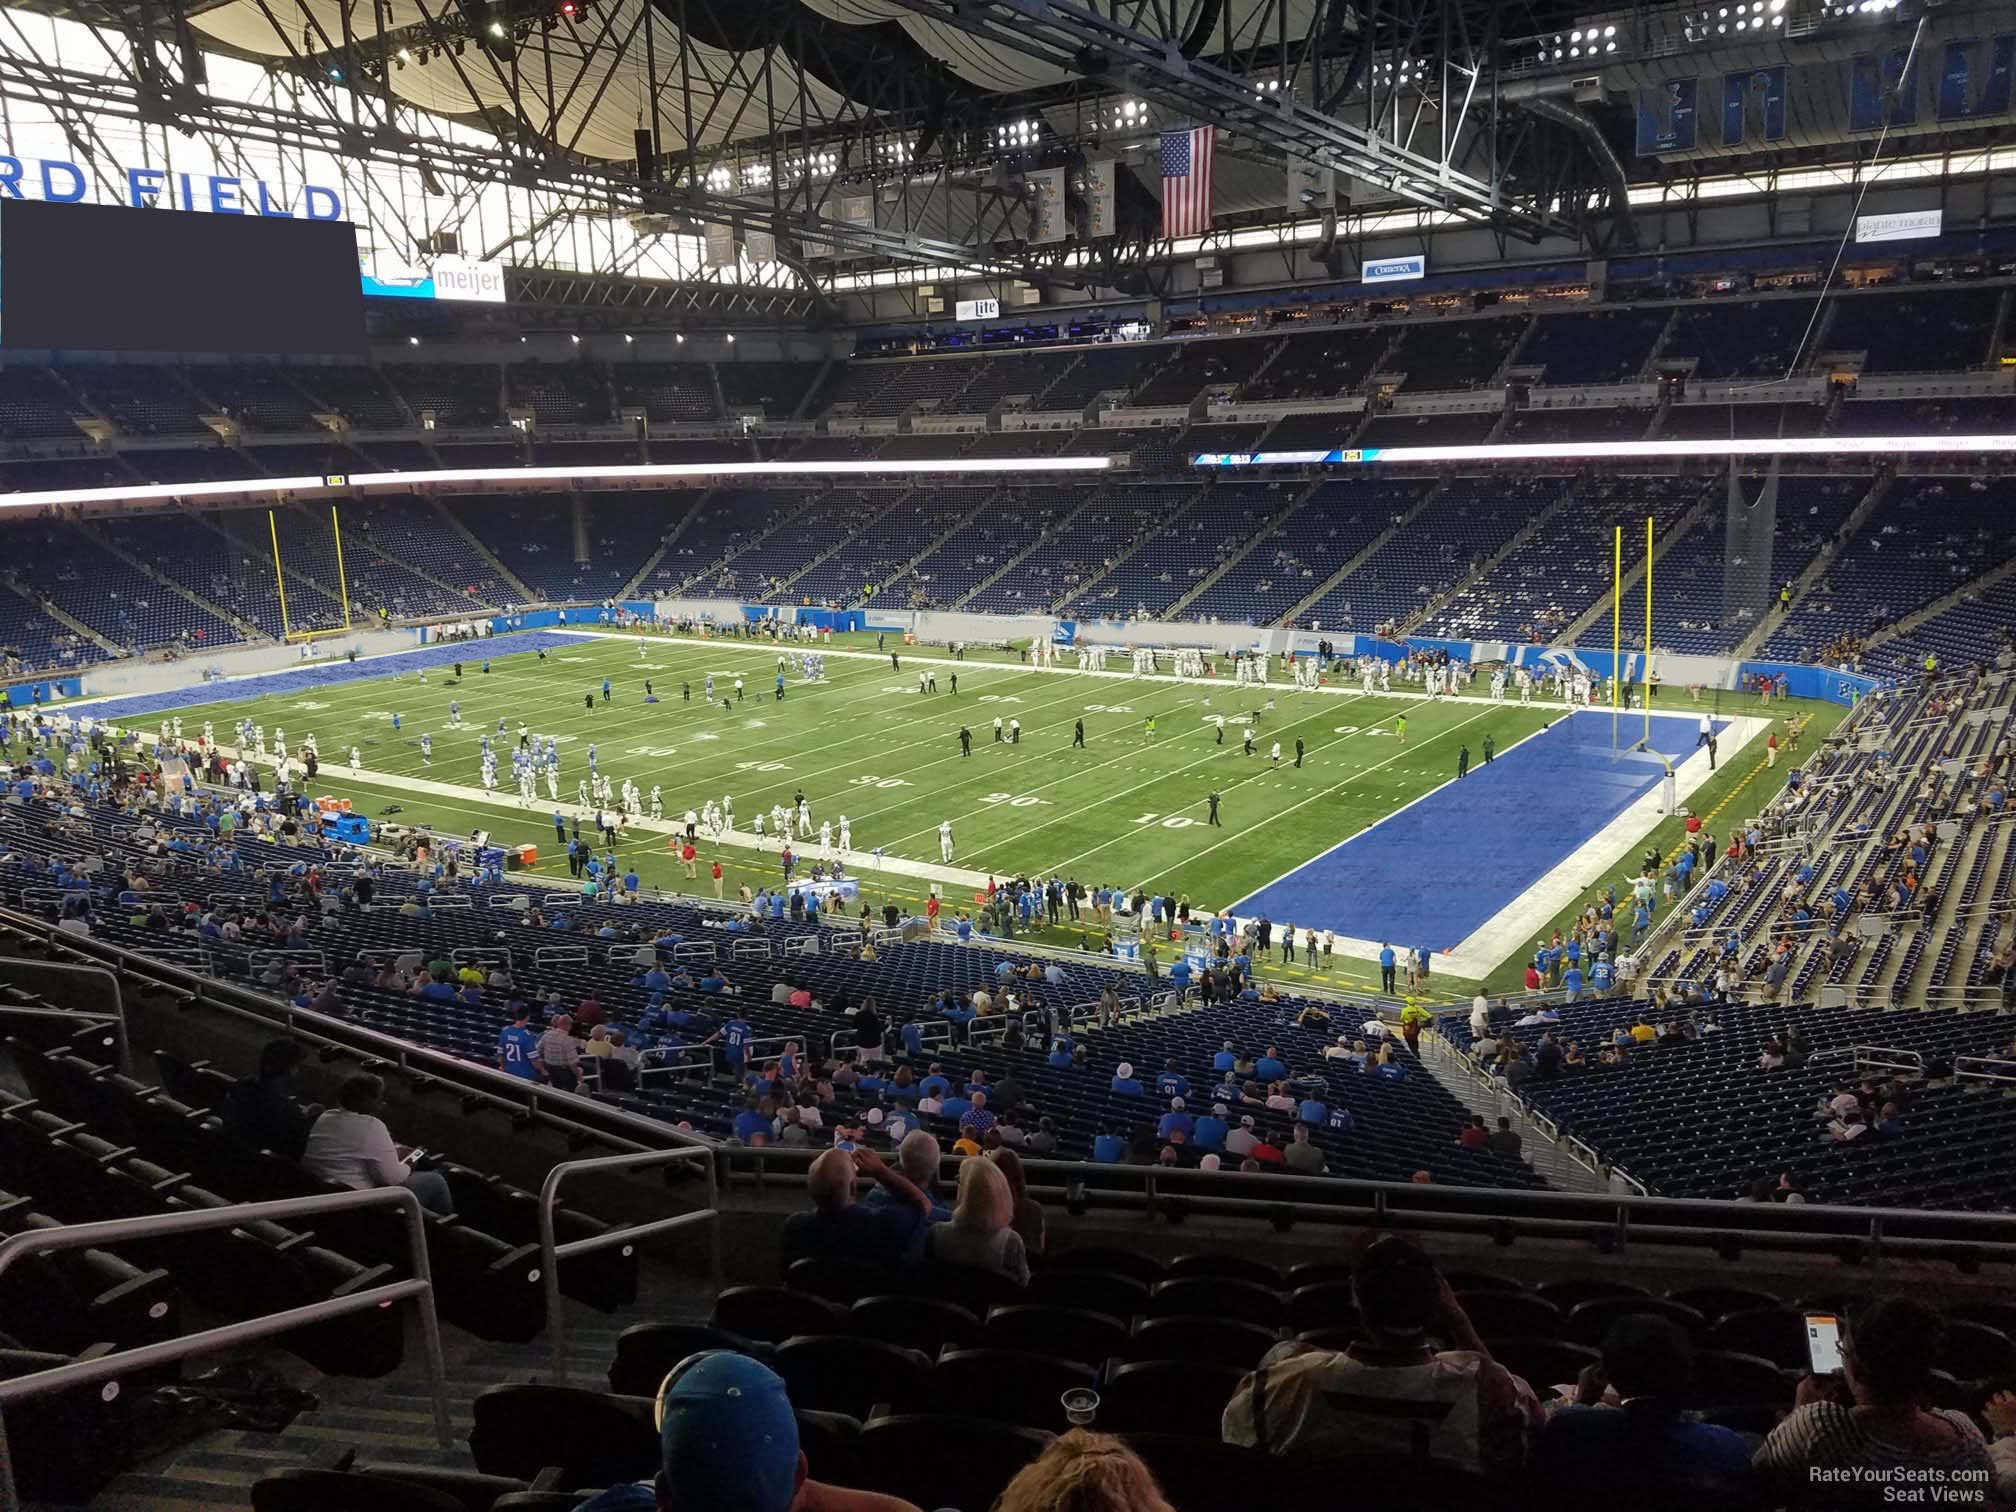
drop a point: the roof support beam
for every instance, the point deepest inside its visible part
(1076, 37)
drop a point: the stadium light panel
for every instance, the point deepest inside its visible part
(267, 487)
(1625, 451)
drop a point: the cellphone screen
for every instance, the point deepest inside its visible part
(1823, 1343)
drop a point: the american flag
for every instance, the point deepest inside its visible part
(1186, 182)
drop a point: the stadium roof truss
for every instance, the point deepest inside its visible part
(774, 116)
(837, 145)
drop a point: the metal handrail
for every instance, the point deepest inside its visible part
(117, 1013)
(419, 1287)
(1993, 1068)
(552, 1253)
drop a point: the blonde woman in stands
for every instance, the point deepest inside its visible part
(981, 1233)
(1084, 1472)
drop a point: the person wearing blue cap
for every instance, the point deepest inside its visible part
(728, 1442)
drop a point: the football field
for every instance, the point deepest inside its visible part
(1316, 844)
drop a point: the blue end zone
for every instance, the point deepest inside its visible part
(322, 674)
(1433, 873)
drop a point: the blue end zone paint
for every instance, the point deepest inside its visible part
(1435, 872)
(322, 674)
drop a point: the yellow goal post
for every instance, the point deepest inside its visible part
(341, 587)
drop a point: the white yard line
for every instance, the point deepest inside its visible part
(1280, 814)
(1163, 777)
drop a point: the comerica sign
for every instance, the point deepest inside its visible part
(62, 182)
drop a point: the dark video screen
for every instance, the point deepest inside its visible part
(103, 278)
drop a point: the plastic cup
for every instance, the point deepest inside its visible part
(1080, 1406)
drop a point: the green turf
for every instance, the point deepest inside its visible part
(1127, 810)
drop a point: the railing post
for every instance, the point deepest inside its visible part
(430, 1322)
(551, 1252)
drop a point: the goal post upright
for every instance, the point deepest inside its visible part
(1645, 669)
(1616, 629)
(279, 576)
(342, 577)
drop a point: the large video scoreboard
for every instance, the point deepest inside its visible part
(103, 278)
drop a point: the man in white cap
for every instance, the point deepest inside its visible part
(1176, 1125)
(1242, 1140)
(1124, 1082)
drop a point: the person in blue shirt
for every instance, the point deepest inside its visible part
(713, 981)
(1270, 1067)
(751, 1126)
(1601, 974)
(1313, 1111)
(956, 1107)
(1108, 1149)
(605, 690)
(1340, 1119)
(1060, 1053)
(1224, 1059)
(1423, 956)
(1124, 1082)
(734, 1036)
(1175, 1125)
(1392, 1071)
(1209, 1130)
(630, 883)
(1571, 980)
(1386, 959)
(935, 1084)
(1172, 1083)
(1635, 1452)
(515, 1043)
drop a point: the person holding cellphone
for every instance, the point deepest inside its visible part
(1869, 1420)
(349, 1146)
